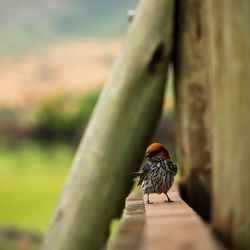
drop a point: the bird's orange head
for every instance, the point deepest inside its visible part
(157, 150)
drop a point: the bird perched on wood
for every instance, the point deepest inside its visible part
(158, 173)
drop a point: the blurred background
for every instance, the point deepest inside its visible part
(55, 57)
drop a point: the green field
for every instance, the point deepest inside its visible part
(31, 178)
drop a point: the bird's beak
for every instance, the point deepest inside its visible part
(147, 155)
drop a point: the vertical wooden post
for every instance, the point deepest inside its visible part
(192, 88)
(230, 59)
(114, 142)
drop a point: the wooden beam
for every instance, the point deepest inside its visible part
(230, 73)
(193, 109)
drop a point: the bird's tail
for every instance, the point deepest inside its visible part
(135, 179)
(136, 175)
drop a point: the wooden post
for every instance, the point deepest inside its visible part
(192, 89)
(118, 132)
(230, 60)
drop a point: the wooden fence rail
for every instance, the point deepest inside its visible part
(163, 226)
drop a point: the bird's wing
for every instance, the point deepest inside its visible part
(144, 173)
(172, 166)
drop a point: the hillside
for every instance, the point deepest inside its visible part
(68, 67)
(29, 24)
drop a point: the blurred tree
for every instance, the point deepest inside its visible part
(63, 118)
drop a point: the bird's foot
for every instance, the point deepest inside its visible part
(149, 202)
(169, 201)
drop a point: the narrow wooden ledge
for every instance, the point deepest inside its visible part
(162, 225)
(132, 224)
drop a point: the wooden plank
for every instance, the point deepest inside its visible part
(165, 226)
(131, 227)
(175, 226)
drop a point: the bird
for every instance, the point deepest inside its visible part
(158, 173)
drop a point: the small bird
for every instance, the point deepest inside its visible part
(158, 173)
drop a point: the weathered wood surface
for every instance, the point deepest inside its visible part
(230, 61)
(132, 224)
(118, 132)
(168, 226)
(193, 109)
